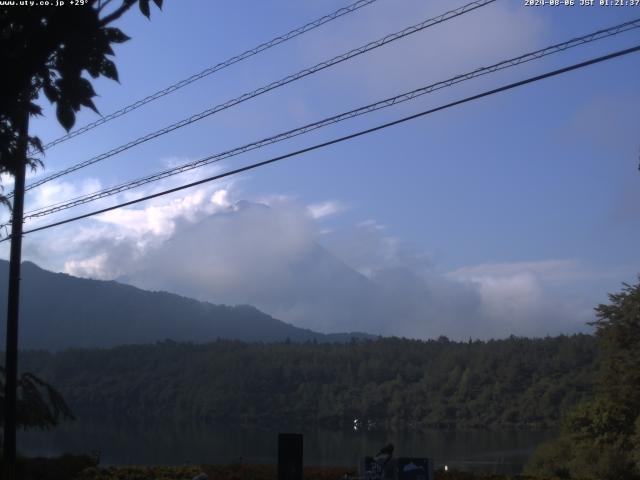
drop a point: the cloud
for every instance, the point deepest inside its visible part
(160, 220)
(233, 256)
(208, 244)
(490, 34)
(555, 271)
(6, 179)
(532, 297)
(324, 209)
(97, 267)
(79, 247)
(358, 278)
(52, 193)
(122, 237)
(367, 247)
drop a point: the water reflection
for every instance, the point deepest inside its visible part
(174, 444)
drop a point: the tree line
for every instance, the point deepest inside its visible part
(600, 437)
(384, 383)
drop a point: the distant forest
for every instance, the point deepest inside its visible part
(385, 383)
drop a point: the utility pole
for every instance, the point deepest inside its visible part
(13, 304)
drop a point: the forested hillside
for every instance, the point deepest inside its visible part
(393, 383)
(66, 311)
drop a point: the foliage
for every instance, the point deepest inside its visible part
(138, 473)
(618, 333)
(600, 438)
(460, 475)
(49, 49)
(84, 467)
(39, 405)
(250, 472)
(388, 383)
(60, 468)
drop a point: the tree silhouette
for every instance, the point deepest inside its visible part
(48, 50)
(39, 404)
(44, 49)
(600, 439)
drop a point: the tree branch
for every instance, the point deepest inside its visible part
(103, 5)
(126, 5)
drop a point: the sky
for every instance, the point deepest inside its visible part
(513, 214)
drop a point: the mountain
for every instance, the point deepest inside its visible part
(257, 255)
(61, 311)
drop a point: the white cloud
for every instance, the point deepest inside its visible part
(268, 257)
(555, 271)
(532, 297)
(367, 248)
(370, 223)
(324, 209)
(66, 248)
(160, 219)
(92, 267)
(208, 245)
(239, 255)
(52, 193)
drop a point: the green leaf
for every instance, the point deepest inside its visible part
(66, 116)
(109, 70)
(36, 143)
(85, 89)
(50, 91)
(144, 8)
(34, 109)
(158, 3)
(115, 35)
(87, 102)
(93, 67)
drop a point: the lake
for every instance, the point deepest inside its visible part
(174, 444)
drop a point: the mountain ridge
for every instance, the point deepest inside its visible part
(61, 311)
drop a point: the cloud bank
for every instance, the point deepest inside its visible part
(279, 256)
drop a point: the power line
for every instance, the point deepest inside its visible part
(73, 202)
(213, 69)
(346, 137)
(284, 81)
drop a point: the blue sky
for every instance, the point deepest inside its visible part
(529, 199)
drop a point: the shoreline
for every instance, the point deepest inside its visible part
(79, 467)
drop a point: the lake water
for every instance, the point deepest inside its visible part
(167, 444)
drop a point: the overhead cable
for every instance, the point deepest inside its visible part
(80, 200)
(284, 81)
(343, 138)
(213, 69)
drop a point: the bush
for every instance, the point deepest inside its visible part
(550, 460)
(65, 467)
